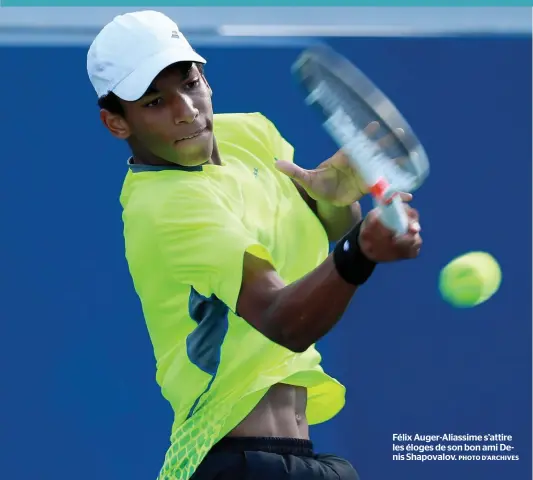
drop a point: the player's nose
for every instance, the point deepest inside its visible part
(183, 109)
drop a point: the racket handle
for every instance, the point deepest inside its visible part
(393, 215)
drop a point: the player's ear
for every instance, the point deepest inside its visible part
(116, 124)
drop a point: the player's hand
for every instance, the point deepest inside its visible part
(379, 244)
(333, 181)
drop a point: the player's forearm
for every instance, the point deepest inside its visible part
(303, 312)
(337, 220)
(299, 314)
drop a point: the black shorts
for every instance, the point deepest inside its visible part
(258, 458)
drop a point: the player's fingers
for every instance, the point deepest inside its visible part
(408, 245)
(390, 138)
(375, 229)
(378, 229)
(412, 213)
(414, 227)
(371, 129)
(414, 251)
(406, 197)
(293, 171)
(405, 241)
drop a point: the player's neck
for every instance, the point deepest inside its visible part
(215, 156)
(147, 158)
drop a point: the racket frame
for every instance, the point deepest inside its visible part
(385, 196)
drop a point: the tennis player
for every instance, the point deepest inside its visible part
(228, 251)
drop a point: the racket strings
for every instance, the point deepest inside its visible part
(363, 147)
(359, 146)
(348, 116)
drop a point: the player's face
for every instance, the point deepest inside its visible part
(173, 121)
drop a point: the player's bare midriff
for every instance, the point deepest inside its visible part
(280, 413)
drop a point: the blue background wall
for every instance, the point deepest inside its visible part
(78, 393)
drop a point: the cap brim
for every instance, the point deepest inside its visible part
(137, 82)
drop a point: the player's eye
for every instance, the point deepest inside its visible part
(154, 103)
(192, 84)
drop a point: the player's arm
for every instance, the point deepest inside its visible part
(299, 314)
(204, 244)
(296, 315)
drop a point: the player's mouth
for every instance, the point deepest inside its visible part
(194, 135)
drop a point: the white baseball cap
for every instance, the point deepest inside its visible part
(131, 50)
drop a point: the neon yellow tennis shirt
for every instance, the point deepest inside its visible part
(186, 231)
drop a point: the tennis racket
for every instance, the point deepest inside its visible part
(348, 102)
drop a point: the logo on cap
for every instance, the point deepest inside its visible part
(175, 34)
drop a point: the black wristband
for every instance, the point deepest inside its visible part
(351, 263)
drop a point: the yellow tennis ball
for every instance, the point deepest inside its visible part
(470, 279)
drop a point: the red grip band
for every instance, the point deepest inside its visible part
(378, 191)
(379, 188)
